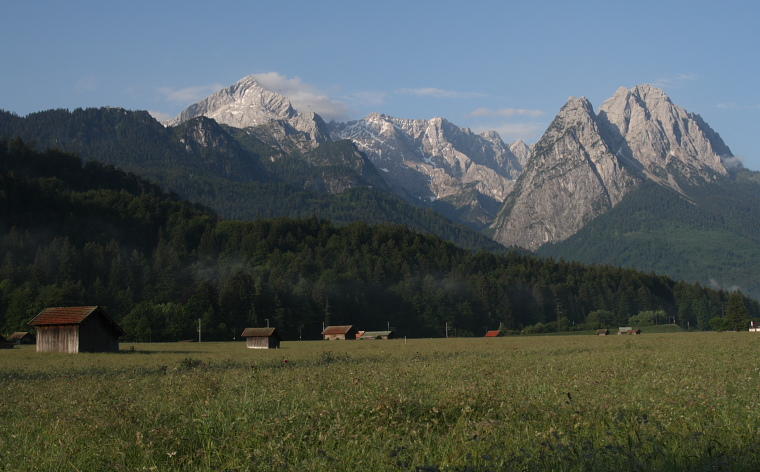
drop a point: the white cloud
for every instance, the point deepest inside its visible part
(733, 162)
(673, 80)
(160, 116)
(506, 112)
(509, 132)
(303, 96)
(438, 93)
(188, 95)
(367, 97)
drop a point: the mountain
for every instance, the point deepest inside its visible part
(586, 163)
(571, 177)
(246, 104)
(437, 161)
(466, 175)
(88, 234)
(712, 236)
(521, 151)
(671, 145)
(233, 171)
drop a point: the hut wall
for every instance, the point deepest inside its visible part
(58, 339)
(257, 342)
(95, 335)
(333, 337)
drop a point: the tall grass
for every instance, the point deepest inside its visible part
(683, 401)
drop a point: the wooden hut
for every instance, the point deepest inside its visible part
(339, 332)
(261, 338)
(375, 335)
(21, 337)
(76, 329)
(494, 333)
(628, 330)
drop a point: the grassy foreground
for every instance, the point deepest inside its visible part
(686, 401)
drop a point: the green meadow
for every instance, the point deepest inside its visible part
(665, 401)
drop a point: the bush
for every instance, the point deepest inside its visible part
(719, 324)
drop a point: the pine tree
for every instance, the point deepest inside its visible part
(737, 314)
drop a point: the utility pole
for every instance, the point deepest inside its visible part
(389, 325)
(447, 329)
(199, 330)
(267, 320)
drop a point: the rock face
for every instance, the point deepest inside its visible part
(586, 163)
(204, 139)
(433, 159)
(246, 104)
(571, 177)
(669, 143)
(521, 151)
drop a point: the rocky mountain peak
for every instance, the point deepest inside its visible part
(247, 103)
(521, 150)
(670, 144)
(436, 160)
(570, 178)
(585, 163)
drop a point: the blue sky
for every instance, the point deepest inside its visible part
(503, 65)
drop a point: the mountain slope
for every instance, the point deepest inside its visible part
(246, 104)
(713, 237)
(571, 178)
(585, 163)
(435, 160)
(233, 171)
(90, 234)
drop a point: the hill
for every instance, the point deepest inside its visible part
(234, 172)
(91, 234)
(711, 237)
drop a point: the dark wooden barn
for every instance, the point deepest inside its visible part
(261, 338)
(339, 332)
(21, 337)
(76, 329)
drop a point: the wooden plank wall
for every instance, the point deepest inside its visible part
(257, 342)
(58, 339)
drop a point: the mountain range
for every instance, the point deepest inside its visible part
(248, 153)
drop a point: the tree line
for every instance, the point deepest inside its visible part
(89, 234)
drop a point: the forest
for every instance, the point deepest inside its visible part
(89, 234)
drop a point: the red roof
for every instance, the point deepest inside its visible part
(259, 332)
(337, 329)
(63, 315)
(68, 315)
(493, 333)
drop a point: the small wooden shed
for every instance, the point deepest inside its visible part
(494, 333)
(261, 338)
(75, 329)
(375, 335)
(21, 337)
(339, 332)
(628, 330)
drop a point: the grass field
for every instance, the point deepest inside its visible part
(682, 401)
